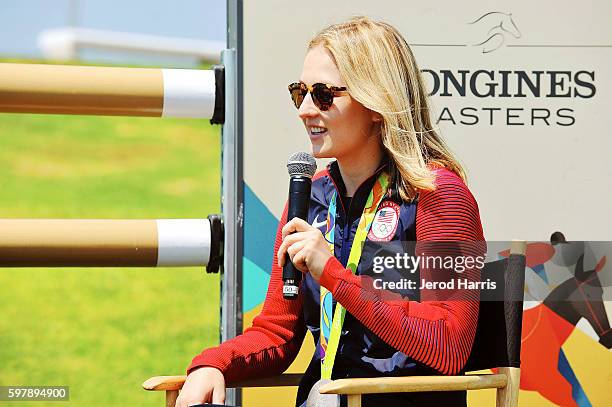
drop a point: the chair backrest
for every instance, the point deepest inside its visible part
(498, 334)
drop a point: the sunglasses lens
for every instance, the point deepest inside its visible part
(322, 96)
(297, 94)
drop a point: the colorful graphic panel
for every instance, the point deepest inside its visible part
(521, 91)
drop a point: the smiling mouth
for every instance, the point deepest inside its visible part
(315, 131)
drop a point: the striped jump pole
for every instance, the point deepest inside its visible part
(111, 91)
(111, 243)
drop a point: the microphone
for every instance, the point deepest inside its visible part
(301, 167)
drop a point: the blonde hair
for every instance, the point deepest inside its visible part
(381, 73)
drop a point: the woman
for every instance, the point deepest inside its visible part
(363, 102)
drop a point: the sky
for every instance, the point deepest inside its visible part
(22, 20)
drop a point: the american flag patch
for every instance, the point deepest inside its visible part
(386, 216)
(385, 222)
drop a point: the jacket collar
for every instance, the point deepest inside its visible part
(363, 191)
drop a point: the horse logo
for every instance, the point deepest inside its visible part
(498, 24)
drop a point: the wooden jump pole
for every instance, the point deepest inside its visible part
(110, 91)
(111, 243)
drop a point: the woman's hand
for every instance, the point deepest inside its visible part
(203, 385)
(307, 248)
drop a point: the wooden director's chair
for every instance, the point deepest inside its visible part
(497, 345)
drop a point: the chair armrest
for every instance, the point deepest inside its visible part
(414, 384)
(176, 382)
(164, 383)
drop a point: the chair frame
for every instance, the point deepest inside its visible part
(506, 382)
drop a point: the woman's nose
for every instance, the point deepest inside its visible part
(307, 108)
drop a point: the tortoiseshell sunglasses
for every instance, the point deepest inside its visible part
(322, 94)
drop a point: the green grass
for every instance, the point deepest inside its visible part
(104, 331)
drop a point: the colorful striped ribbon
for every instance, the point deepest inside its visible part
(331, 327)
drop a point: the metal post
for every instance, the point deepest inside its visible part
(232, 208)
(232, 184)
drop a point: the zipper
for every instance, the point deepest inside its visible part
(347, 223)
(358, 188)
(345, 237)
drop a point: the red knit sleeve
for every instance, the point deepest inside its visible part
(271, 344)
(439, 330)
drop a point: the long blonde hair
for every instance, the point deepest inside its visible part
(381, 73)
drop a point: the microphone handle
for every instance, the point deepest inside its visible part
(299, 201)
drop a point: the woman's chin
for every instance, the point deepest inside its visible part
(320, 153)
(319, 150)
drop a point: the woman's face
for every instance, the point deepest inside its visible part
(348, 125)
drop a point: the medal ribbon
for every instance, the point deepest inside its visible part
(331, 327)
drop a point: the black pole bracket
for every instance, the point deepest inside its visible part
(219, 112)
(216, 243)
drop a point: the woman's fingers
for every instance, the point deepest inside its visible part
(298, 253)
(218, 396)
(296, 230)
(295, 249)
(201, 386)
(287, 242)
(299, 259)
(295, 225)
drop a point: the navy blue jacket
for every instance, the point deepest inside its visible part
(361, 353)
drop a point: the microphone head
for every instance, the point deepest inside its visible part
(301, 163)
